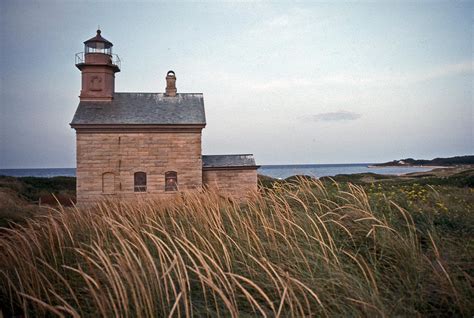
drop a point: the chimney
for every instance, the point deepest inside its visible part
(170, 84)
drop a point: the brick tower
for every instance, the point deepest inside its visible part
(98, 67)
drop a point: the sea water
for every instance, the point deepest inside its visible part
(275, 171)
(39, 172)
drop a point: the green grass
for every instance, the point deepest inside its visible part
(300, 247)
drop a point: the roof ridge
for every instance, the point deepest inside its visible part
(155, 93)
(232, 154)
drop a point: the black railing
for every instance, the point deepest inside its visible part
(114, 58)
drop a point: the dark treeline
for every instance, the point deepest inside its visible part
(458, 160)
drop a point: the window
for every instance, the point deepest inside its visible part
(139, 181)
(108, 183)
(171, 181)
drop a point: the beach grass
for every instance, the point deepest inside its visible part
(298, 248)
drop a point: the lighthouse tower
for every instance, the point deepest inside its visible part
(98, 67)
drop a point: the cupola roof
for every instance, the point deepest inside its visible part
(92, 42)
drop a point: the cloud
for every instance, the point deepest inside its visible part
(280, 21)
(466, 67)
(262, 84)
(293, 22)
(341, 115)
(337, 80)
(400, 78)
(279, 84)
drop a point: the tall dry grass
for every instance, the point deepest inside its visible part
(296, 250)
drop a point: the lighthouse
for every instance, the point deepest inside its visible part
(135, 145)
(98, 66)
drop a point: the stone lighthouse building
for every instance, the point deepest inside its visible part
(131, 145)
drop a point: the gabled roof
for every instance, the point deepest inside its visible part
(228, 161)
(142, 109)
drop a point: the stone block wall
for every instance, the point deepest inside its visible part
(106, 163)
(233, 182)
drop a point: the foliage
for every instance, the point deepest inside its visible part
(458, 160)
(35, 188)
(299, 248)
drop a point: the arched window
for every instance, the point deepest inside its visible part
(139, 181)
(108, 183)
(171, 181)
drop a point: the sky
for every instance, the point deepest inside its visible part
(292, 83)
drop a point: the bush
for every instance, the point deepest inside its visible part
(33, 188)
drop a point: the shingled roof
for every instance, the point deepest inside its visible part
(143, 109)
(228, 161)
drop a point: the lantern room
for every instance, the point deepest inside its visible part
(98, 51)
(98, 44)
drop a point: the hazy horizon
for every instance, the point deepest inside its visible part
(304, 83)
(259, 164)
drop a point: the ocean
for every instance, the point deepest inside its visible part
(275, 171)
(40, 172)
(330, 170)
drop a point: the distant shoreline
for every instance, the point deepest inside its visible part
(436, 162)
(410, 166)
(275, 171)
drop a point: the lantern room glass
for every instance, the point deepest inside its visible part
(97, 47)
